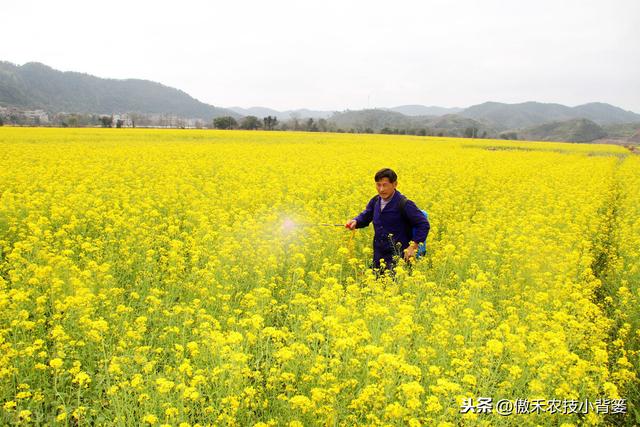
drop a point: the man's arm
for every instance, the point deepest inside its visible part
(418, 221)
(366, 216)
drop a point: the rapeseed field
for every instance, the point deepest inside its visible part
(182, 278)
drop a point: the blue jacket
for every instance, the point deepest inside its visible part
(391, 221)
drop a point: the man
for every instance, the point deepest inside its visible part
(397, 230)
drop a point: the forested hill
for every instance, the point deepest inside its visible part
(527, 114)
(37, 86)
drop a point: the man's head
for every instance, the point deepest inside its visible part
(386, 182)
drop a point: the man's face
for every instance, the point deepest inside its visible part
(386, 188)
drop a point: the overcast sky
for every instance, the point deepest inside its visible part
(336, 55)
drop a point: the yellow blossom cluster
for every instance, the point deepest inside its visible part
(184, 278)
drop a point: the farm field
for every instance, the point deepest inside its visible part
(182, 277)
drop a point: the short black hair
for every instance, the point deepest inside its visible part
(386, 173)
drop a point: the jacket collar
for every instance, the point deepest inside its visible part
(393, 200)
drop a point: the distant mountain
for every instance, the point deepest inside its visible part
(528, 114)
(378, 120)
(305, 113)
(258, 112)
(456, 125)
(282, 115)
(37, 86)
(574, 130)
(602, 113)
(514, 116)
(373, 119)
(423, 110)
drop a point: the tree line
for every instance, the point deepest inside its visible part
(272, 123)
(245, 123)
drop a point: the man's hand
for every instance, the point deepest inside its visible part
(410, 252)
(351, 224)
